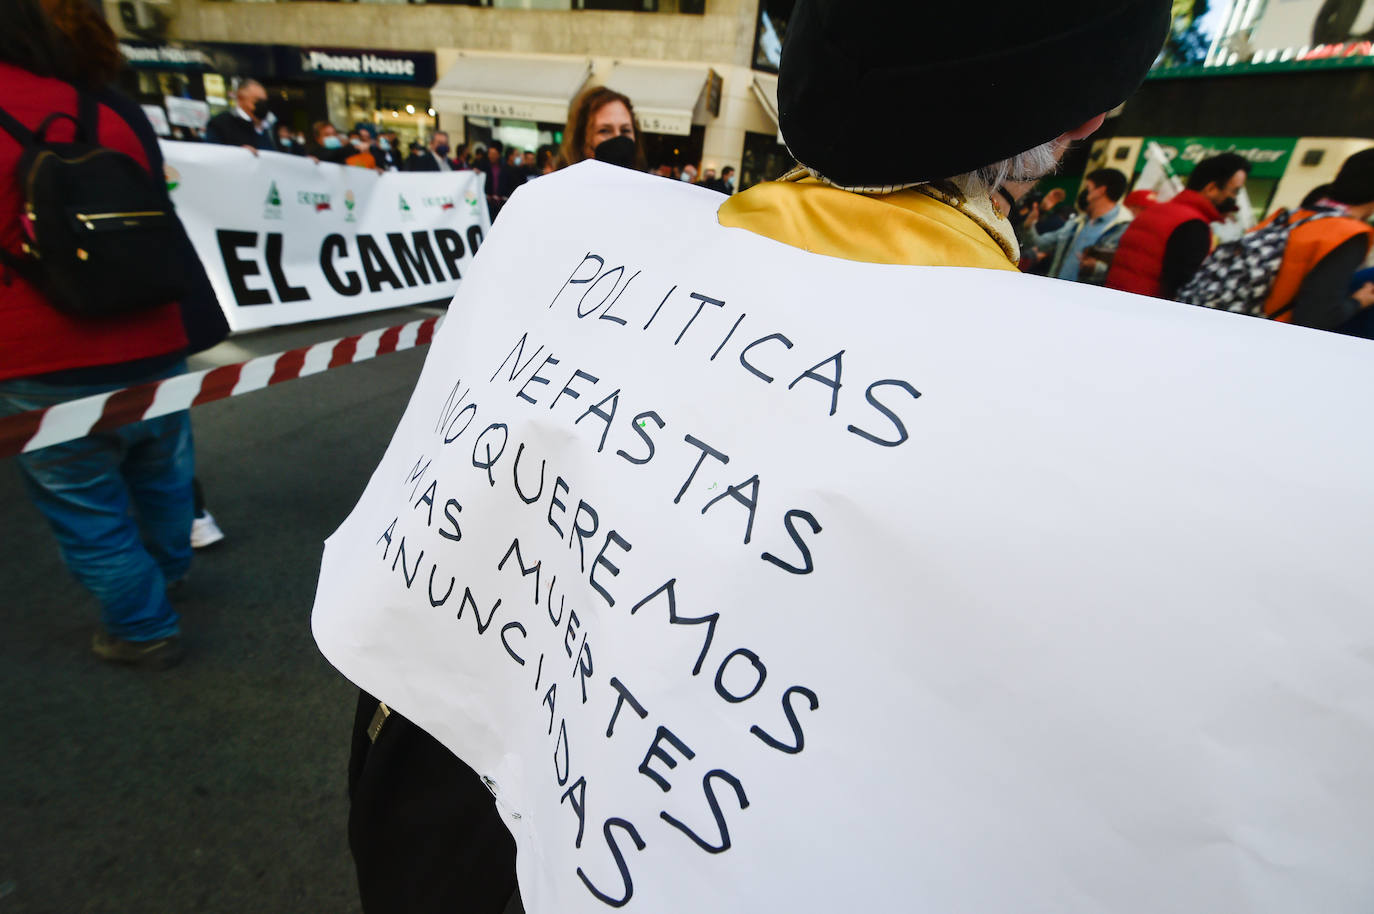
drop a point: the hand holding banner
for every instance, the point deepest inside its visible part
(755, 580)
(286, 239)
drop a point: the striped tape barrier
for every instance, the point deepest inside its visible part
(102, 412)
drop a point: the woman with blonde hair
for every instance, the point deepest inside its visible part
(602, 125)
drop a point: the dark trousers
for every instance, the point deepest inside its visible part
(424, 830)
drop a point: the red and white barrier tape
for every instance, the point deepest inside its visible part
(89, 415)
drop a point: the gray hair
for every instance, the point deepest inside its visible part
(246, 85)
(1031, 165)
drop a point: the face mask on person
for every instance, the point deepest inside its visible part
(260, 109)
(1227, 207)
(441, 150)
(618, 150)
(1083, 200)
(332, 142)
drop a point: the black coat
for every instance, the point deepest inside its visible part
(228, 129)
(425, 162)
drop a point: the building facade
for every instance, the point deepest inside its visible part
(503, 69)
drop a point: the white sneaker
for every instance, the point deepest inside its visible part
(205, 532)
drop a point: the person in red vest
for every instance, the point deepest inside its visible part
(1166, 243)
(1312, 287)
(119, 501)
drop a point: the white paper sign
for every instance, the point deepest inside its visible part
(756, 580)
(286, 239)
(187, 112)
(158, 119)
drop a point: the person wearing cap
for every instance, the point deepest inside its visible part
(930, 189)
(932, 193)
(1164, 247)
(1312, 287)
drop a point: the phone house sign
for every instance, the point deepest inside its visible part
(332, 63)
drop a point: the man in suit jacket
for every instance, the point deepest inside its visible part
(246, 123)
(435, 158)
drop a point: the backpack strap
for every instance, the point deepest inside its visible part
(88, 117)
(23, 135)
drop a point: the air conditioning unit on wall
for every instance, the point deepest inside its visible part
(146, 18)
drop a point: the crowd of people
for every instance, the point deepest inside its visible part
(1309, 261)
(909, 203)
(250, 124)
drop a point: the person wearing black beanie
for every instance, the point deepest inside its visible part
(932, 90)
(1312, 287)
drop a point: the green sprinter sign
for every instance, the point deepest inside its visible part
(1269, 156)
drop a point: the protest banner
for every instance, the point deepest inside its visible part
(756, 580)
(286, 239)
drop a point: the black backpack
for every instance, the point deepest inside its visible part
(100, 235)
(1239, 275)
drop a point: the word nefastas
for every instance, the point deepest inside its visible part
(598, 291)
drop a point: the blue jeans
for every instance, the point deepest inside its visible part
(119, 504)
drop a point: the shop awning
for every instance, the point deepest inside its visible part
(528, 88)
(665, 97)
(766, 91)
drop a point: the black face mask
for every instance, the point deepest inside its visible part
(1227, 207)
(618, 150)
(1083, 200)
(260, 109)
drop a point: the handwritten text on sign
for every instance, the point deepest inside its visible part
(757, 580)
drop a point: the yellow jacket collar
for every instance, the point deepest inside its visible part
(922, 226)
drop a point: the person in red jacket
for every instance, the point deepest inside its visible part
(1166, 243)
(92, 489)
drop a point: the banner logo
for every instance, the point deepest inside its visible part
(172, 177)
(309, 198)
(272, 207)
(350, 202)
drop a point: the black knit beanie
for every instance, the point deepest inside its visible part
(883, 92)
(1355, 183)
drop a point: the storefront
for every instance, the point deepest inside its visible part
(351, 86)
(168, 74)
(345, 86)
(520, 100)
(523, 100)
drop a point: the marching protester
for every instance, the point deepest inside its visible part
(288, 142)
(380, 147)
(361, 143)
(425, 833)
(1325, 248)
(1082, 249)
(434, 157)
(1163, 248)
(120, 501)
(247, 124)
(602, 125)
(457, 855)
(326, 145)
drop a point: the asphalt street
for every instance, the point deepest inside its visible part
(220, 785)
